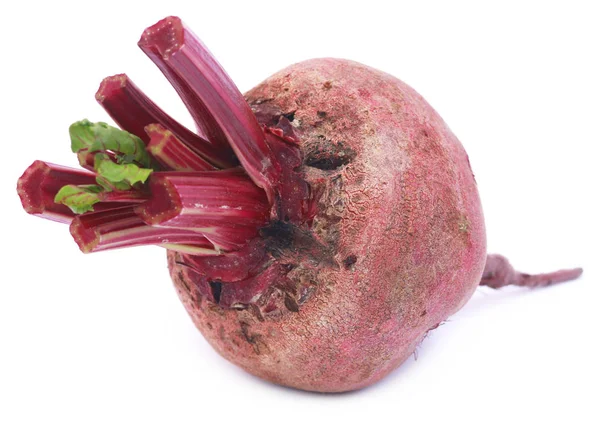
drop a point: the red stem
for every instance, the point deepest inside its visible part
(226, 206)
(212, 97)
(124, 196)
(39, 184)
(132, 110)
(122, 227)
(205, 123)
(172, 153)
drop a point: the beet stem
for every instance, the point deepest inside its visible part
(132, 110)
(200, 204)
(499, 272)
(216, 104)
(40, 183)
(172, 153)
(122, 227)
(225, 206)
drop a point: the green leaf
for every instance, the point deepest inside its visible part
(80, 199)
(105, 184)
(93, 137)
(117, 174)
(109, 187)
(82, 135)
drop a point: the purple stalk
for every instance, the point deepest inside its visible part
(122, 227)
(171, 152)
(132, 110)
(211, 96)
(39, 184)
(225, 206)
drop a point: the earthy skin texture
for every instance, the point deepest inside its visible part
(399, 229)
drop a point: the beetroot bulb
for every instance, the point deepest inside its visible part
(316, 228)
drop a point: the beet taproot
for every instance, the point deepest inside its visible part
(317, 228)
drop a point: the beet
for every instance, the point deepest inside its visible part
(317, 228)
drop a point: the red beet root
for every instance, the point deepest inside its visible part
(317, 228)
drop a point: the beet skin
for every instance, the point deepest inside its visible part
(399, 225)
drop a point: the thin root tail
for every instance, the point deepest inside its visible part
(499, 272)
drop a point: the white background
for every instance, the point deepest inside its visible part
(103, 337)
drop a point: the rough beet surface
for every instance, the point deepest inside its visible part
(398, 213)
